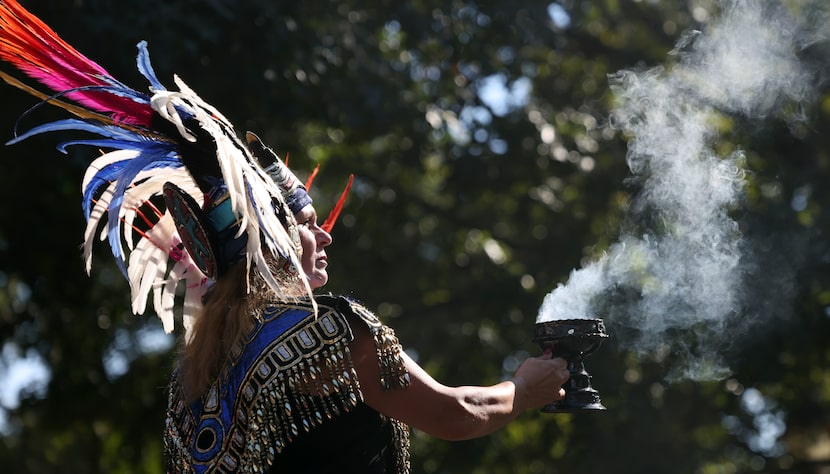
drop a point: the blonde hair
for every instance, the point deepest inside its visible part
(229, 312)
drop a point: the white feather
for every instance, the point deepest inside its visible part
(147, 264)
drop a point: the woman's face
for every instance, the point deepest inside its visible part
(314, 241)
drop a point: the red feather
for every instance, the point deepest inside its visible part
(311, 177)
(36, 50)
(335, 212)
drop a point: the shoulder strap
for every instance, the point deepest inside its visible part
(393, 373)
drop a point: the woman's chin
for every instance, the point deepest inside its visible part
(318, 281)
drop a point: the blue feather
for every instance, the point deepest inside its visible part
(80, 125)
(145, 67)
(113, 172)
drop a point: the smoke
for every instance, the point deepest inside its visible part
(677, 283)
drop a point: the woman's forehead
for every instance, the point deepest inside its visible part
(306, 211)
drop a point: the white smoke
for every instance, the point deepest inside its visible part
(675, 280)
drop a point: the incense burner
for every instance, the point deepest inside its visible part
(573, 340)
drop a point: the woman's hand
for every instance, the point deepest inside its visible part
(539, 381)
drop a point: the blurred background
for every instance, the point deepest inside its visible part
(486, 170)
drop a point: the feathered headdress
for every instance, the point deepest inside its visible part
(184, 196)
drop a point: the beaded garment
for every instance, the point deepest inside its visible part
(293, 374)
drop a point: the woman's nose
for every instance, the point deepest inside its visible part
(323, 238)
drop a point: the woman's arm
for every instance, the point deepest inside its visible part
(456, 413)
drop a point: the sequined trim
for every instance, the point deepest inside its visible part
(393, 375)
(393, 372)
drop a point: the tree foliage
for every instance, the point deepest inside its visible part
(467, 209)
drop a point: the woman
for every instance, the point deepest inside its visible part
(316, 414)
(272, 377)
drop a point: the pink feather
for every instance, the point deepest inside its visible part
(36, 50)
